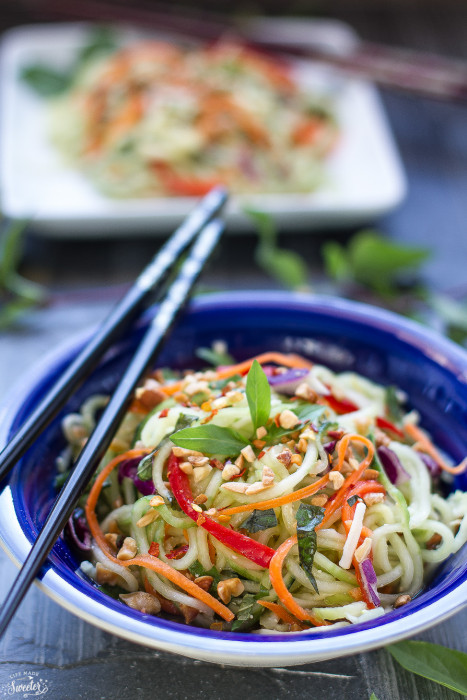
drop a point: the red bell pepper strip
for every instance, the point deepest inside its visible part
(385, 424)
(180, 485)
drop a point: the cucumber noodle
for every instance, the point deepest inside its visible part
(408, 527)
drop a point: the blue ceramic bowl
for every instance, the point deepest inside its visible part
(341, 334)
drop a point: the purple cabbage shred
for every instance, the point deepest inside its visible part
(287, 382)
(369, 581)
(129, 469)
(392, 466)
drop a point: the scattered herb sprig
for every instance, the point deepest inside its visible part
(445, 666)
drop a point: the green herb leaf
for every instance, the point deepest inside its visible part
(100, 40)
(249, 612)
(214, 357)
(373, 697)
(445, 666)
(286, 266)
(197, 570)
(393, 405)
(210, 439)
(45, 81)
(308, 517)
(260, 520)
(372, 261)
(144, 471)
(112, 591)
(258, 394)
(353, 500)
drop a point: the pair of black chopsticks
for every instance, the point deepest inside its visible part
(204, 229)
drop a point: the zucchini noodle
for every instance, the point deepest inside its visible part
(241, 505)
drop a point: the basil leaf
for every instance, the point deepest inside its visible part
(373, 697)
(249, 612)
(445, 666)
(308, 517)
(393, 405)
(210, 439)
(214, 357)
(112, 591)
(353, 500)
(258, 394)
(307, 414)
(144, 471)
(46, 81)
(198, 570)
(100, 40)
(260, 520)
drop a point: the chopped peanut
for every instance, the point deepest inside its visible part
(261, 432)
(256, 487)
(259, 444)
(363, 551)
(200, 473)
(231, 587)
(196, 507)
(182, 452)
(381, 438)
(211, 512)
(319, 500)
(229, 471)
(111, 539)
(144, 602)
(402, 600)
(150, 394)
(198, 461)
(372, 498)
(156, 501)
(297, 459)
(248, 453)
(235, 486)
(288, 419)
(302, 445)
(239, 462)
(148, 518)
(204, 582)
(285, 457)
(186, 467)
(128, 549)
(104, 575)
(267, 476)
(193, 388)
(202, 498)
(304, 391)
(336, 479)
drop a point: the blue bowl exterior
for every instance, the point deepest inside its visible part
(343, 335)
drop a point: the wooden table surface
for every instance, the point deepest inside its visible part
(80, 661)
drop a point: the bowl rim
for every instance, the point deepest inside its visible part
(221, 647)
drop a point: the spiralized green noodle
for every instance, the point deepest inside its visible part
(408, 527)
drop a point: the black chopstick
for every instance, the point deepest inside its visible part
(125, 311)
(100, 439)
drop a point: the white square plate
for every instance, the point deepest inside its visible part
(363, 177)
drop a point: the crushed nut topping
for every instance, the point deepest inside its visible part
(229, 471)
(336, 479)
(319, 500)
(200, 473)
(261, 432)
(230, 587)
(402, 600)
(267, 476)
(248, 453)
(156, 501)
(128, 550)
(148, 518)
(104, 575)
(235, 486)
(144, 602)
(288, 419)
(372, 499)
(364, 550)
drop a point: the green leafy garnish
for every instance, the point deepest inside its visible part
(197, 570)
(47, 81)
(372, 261)
(445, 666)
(144, 471)
(373, 697)
(260, 520)
(249, 612)
(308, 517)
(353, 500)
(286, 266)
(258, 394)
(393, 405)
(215, 356)
(112, 591)
(210, 439)
(17, 294)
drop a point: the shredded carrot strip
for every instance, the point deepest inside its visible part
(147, 561)
(424, 444)
(353, 477)
(278, 358)
(275, 574)
(280, 500)
(281, 613)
